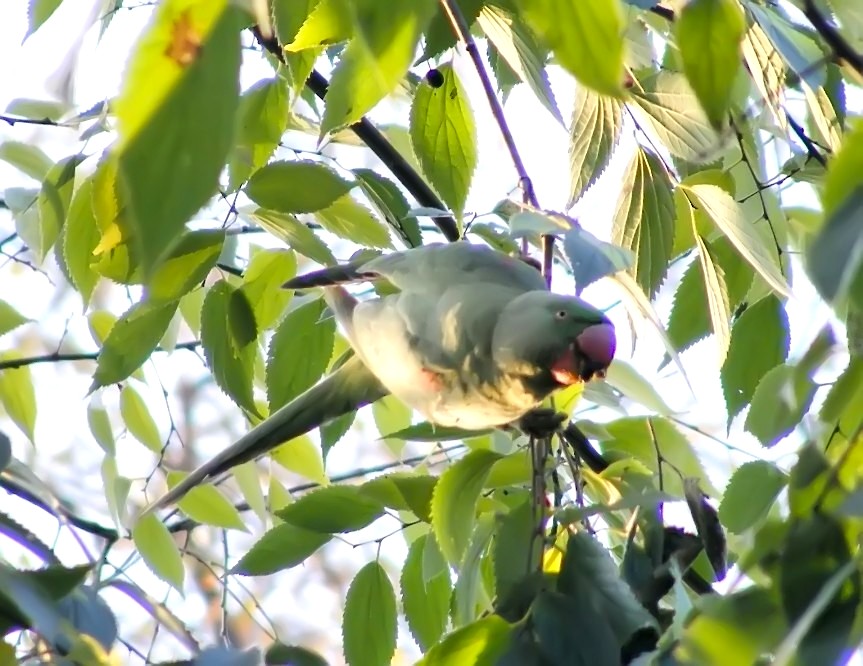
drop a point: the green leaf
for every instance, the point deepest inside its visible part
(352, 221)
(592, 259)
(27, 158)
(429, 432)
(750, 494)
(835, 256)
(369, 621)
(282, 547)
(404, 492)
(626, 379)
(470, 595)
(288, 19)
(439, 35)
(454, 502)
(207, 505)
(766, 68)
(586, 37)
(80, 237)
(782, 398)
(302, 456)
(10, 318)
(158, 550)
(261, 120)
(279, 654)
(728, 216)
(52, 204)
(18, 396)
(644, 219)
(425, 603)
(443, 136)
(138, 419)
(294, 233)
(262, 285)
(391, 415)
(481, 642)
(232, 368)
(333, 509)
(667, 105)
(708, 35)
(131, 341)
(759, 342)
(843, 406)
(717, 297)
(589, 575)
(640, 437)
(175, 119)
(296, 187)
(328, 23)
(515, 551)
(797, 48)
(39, 11)
(299, 353)
(375, 60)
(597, 121)
(100, 425)
(391, 205)
(187, 265)
(518, 46)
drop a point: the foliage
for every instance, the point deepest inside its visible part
(207, 197)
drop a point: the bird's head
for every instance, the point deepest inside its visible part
(559, 340)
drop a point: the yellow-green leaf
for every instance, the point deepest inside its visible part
(138, 419)
(302, 456)
(187, 265)
(207, 505)
(369, 621)
(10, 318)
(296, 187)
(158, 550)
(352, 221)
(18, 396)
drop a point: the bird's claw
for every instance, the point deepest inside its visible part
(541, 422)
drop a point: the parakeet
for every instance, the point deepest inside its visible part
(472, 338)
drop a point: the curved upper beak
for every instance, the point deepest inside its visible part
(595, 347)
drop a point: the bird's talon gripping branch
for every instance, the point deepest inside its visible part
(541, 422)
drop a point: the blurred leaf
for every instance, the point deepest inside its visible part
(644, 218)
(569, 630)
(517, 44)
(348, 219)
(296, 187)
(801, 52)
(592, 259)
(515, 551)
(428, 432)
(279, 654)
(708, 35)
(52, 206)
(717, 297)
(706, 521)
(302, 456)
(88, 613)
(470, 595)
(750, 494)
(480, 642)
(375, 60)
(326, 24)
(261, 120)
(586, 37)
(454, 502)
(282, 547)
(136, 415)
(439, 35)
(27, 158)
(232, 368)
(425, 603)
(179, 98)
(843, 407)
(759, 342)
(18, 396)
(332, 509)
(10, 318)
(131, 341)
(262, 285)
(100, 425)
(158, 550)
(597, 121)
(299, 353)
(294, 233)
(39, 11)
(666, 104)
(206, 505)
(369, 621)
(443, 136)
(391, 415)
(80, 237)
(626, 379)
(781, 399)
(187, 265)
(391, 205)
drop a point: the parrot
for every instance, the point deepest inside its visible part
(471, 338)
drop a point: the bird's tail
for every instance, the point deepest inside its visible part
(348, 388)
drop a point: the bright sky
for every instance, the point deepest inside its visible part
(66, 452)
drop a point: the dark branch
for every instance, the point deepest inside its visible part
(15, 120)
(841, 49)
(58, 357)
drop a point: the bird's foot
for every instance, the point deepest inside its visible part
(541, 422)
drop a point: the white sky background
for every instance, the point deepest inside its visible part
(66, 452)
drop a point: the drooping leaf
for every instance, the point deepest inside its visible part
(439, 35)
(27, 158)
(750, 494)
(301, 456)
(158, 550)
(797, 48)
(586, 37)
(766, 67)
(296, 187)
(626, 379)
(425, 602)
(282, 547)
(80, 238)
(454, 501)
(592, 258)
(138, 419)
(708, 34)
(18, 396)
(232, 368)
(369, 621)
(288, 19)
(131, 341)
(644, 218)
(391, 415)
(516, 551)
(375, 60)
(332, 509)
(178, 101)
(443, 136)
(666, 103)
(717, 297)
(597, 121)
(759, 342)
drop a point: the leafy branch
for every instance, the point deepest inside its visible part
(59, 357)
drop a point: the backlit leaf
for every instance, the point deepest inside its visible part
(296, 187)
(425, 603)
(18, 396)
(282, 547)
(750, 494)
(597, 121)
(369, 621)
(158, 550)
(332, 509)
(782, 398)
(352, 221)
(207, 505)
(138, 419)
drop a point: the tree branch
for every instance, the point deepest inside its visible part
(15, 120)
(841, 48)
(58, 357)
(379, 145)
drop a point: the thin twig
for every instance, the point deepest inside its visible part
(462, 32)
(58, 357)
(841, 48)
(16, 120)
(379, 145)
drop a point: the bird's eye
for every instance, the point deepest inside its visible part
(560, 314)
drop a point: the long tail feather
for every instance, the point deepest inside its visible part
(326, 277)
(348, 388)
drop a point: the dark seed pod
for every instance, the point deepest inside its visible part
(434, 78)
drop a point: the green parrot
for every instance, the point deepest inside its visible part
(472, 339)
